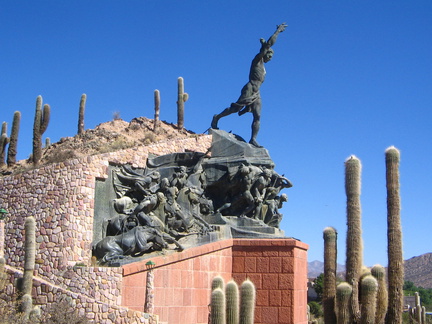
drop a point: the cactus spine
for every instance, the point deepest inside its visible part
(330, 264)
(4, 141)
(353, 241)
(81, 114)
(378, 272)
(182, 98)
(217, 315)
(40, 125)
(232, 302)
(369, 289)
(12, 149)
(156, 109)
(394, 238)
(247, 302)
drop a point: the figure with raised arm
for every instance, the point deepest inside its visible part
(250, 100)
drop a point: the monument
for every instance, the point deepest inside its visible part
(187, 199)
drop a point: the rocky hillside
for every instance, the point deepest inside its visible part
(106, 137)
(418, 269)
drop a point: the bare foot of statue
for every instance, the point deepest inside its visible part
(214, 123)
(254, 143)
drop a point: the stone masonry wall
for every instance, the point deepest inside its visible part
(61, 198)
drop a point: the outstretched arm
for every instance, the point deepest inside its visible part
(266, 45)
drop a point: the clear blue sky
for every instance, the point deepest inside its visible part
(347, 77)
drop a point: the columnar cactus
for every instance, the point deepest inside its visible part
(30, 255)
(369, 289)
(156, 109)
(330, 266)
(378, 305)
(3, 274)
(182, 98)
(12, 149)
(354, 258)
(4, 141)
(40, 125)
(232, 313)
(232, 302)
(417, 313)
(217, 314)
(378, 271)
(247, 302)
(394, 238)
(81, 114)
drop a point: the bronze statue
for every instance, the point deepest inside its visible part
(250, 100)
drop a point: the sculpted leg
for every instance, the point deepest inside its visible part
(256, 122)
(227, 111)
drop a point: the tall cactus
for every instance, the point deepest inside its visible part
(81, 114)
(182, 98)
(378, 271)
(40, 125)
(4, 141)
(354, 251)
(232, 302)
(330, 267)
(30, 255)
(394, 238)
(12, 149)
(156, 110)
(247, 302)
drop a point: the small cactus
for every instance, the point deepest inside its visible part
(4, 141)
(330, 267)
(12, 149)
(232, 302)
(81, 114)
(247, 302)
(3, 274)
(181, 99)
(217, 314)
(40, 125)
(369, 289)
(157, 110)
(378, 271)
(343, 297)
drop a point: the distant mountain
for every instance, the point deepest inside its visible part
(418, 269)
(315, 268)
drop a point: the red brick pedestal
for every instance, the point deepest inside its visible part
(277, 267)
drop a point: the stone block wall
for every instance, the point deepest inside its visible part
(61, 198)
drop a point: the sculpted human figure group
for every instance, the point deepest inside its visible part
(250, 99)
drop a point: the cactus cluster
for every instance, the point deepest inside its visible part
(12, 140)
(228, 305)
(417, 313)
(41, 120)
(364, 297)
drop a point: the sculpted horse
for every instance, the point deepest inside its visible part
(135, 242)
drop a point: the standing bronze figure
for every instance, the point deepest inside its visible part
(250, 100)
